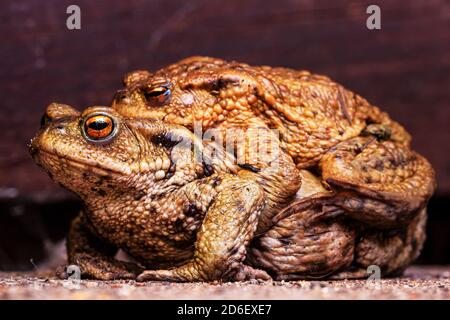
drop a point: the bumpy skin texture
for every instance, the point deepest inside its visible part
(376, 187)
(145, 192)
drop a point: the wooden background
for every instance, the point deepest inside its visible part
(404, 68)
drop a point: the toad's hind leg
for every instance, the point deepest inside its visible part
(392, 251)
(381, 183)
(389, 250)
(311, 240)
(307, 241)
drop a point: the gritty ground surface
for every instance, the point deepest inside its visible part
(417, 283)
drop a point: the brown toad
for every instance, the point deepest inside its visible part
(189, 218)
(358, 153)
(146, 191)
(321, 126)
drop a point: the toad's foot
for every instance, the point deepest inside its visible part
(182, 274)
(101, 268)
(248, 273)
(245, 273)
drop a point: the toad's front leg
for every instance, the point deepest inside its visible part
(94, 257)
(227, 228)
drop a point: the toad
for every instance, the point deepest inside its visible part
(185, 217)
(356, 152)
(150, 190)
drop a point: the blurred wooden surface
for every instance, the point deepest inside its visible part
(404, 67)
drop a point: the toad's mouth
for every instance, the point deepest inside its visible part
(85, 165)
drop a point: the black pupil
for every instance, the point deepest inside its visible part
(155, 93)
(98, 125)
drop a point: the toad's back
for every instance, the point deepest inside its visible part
(311, 112)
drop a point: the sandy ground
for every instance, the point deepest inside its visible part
(417, 283)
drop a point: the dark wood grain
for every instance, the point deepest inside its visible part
(404, 68)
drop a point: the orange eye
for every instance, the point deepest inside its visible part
(99, 128)
(157, 95)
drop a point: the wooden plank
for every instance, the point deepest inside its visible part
(404, 68)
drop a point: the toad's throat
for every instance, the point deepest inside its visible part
(84, 165)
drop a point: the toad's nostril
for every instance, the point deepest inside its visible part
(34, 151)
(119, 95)
(45, 120)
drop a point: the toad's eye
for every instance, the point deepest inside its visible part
(99, 128)
(157, 95)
